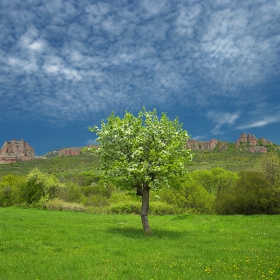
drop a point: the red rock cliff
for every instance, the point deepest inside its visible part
(13, 151)
(70, 152)
(248, 142)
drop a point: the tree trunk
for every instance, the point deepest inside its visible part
(145, 210)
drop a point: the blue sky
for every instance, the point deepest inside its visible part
(65, 65)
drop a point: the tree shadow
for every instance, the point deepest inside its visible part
(182, 217)
(139, 233)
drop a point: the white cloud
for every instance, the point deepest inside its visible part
(37, 46)
(70, 62)
(222, 119)
(259, 123)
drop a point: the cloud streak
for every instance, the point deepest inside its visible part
(260, 122)
(222, 119)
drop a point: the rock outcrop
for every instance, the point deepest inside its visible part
(246, 142)
(207, 145)
(70, 152)
(13, 151)
(245, 139)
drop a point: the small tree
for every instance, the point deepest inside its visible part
(40, 187)
(142, 153)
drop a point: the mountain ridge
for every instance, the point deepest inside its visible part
(13, 151)
(246, 142)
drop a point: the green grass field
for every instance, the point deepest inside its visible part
(38, 244)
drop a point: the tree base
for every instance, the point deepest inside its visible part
(145, 224)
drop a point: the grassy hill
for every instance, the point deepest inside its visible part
(57, 165)
(62, 165)
(230, 160)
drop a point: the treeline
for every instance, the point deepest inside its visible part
(203, 191)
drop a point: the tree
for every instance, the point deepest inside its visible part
(250, 195)
(215, 180)
(142, 153)
(40, 186)
(10, 186)
(269, 166)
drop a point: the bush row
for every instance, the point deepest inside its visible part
(207, 191)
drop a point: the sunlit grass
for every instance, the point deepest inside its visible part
(36, 244)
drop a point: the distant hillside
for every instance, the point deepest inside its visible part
(64, 152)
(245, 143)
(241, 155)
(19, 150)
(59, 165)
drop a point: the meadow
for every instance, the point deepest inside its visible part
(40, 244)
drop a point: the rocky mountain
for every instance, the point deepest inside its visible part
(246, 142)
(13, 151)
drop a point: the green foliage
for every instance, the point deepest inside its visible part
(98, 194)
(10, 190)
(163, 208)
(100, 188)
(128, 207)
(143, 150)
(190, 197)
(84, 178)
(269, 166)
(270, 147)
(74, 193)
(60, 205)
(40, 187)
(250, 195)
(198, 200)
(195, 192)
(215, 180)
(231, 147)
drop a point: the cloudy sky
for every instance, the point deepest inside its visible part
(65, 65)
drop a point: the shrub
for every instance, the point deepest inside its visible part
(85, 178)
(40, 187)
(189, 197)
(198, 200)
(95, 200)
(5, 196)
(99, 188)
(58, 204)
(163, 208)
(250, 195)
(127, 207)
(74, 193)
(10, 190)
